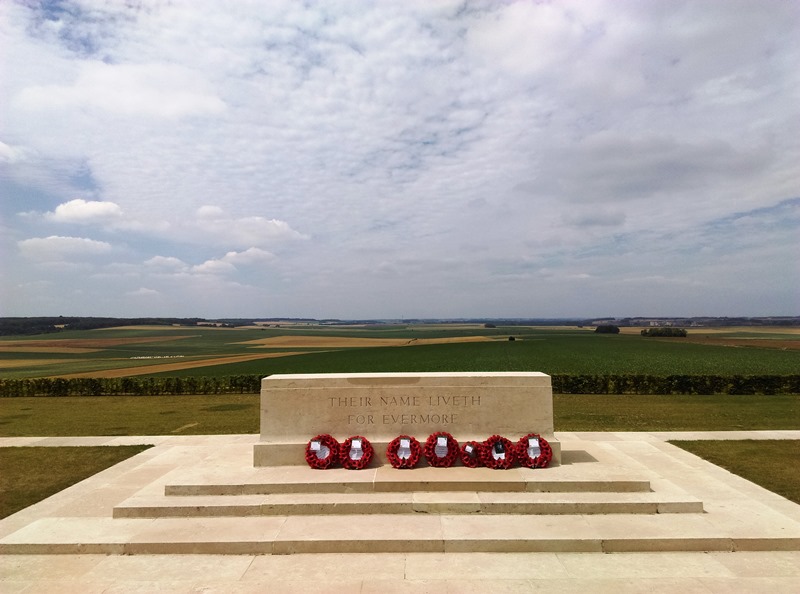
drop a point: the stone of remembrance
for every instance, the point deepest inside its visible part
(381, 406)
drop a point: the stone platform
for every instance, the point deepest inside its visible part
(201, 495)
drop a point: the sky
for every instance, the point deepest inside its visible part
(399, 159)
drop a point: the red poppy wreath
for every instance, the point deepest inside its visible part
(533, 451)
(322, 451)
(471, 454)
(356, 452)
(441, 449)
(497, 453)
(403, 452)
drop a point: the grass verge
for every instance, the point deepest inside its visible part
(771, 464)
(129, 415)
(239, 413)
(31, 474)
(720, 412)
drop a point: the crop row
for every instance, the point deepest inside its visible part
(251, 383)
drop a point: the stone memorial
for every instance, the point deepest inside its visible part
(471, 406)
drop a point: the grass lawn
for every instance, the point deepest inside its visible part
(721, 412)
(30, 474)
(129, 415)
(769, 463)
(239, 413)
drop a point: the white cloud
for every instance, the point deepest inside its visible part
(57, 248)
(210, 212)
(143, 292)
(249, 257)
(165, 263)
(214, 267)
(232, 261)
(213, 224)
(139, 90)
(83, 211)
(11, 154)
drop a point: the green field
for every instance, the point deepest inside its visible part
(575, 354)
(553, 350)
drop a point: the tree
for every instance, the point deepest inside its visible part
(607, 329)
(669, 332)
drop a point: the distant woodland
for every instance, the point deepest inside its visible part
(45, 325)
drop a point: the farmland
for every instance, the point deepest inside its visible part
(208, 351)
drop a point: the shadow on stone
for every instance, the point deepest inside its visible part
(576, 457)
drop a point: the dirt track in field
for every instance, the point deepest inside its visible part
(45, 349)
(147, 369)
(760, 343)
(11, 363)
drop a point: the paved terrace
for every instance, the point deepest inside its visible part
(744, 510)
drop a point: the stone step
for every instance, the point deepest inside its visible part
(393, 533)
(433, 502)
(494, 484)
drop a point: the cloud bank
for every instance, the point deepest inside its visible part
(399, 159)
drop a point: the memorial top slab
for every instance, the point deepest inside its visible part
(472, 378)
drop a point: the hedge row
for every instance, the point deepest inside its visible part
(676, 384)
(130, 386)
(251, 384)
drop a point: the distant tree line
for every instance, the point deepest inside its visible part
(665, 331)
(251, 384)
(47, 325)
(607, 329)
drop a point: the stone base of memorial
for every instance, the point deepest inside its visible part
(471, 406)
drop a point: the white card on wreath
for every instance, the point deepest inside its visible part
(468, 449)
(498, 451)
(315, 446)
(356, 453)
(441, 447)
(404, 451)
(534, 451)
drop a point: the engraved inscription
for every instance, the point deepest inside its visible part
(339, 401)
(360, 419)
(404, 409)
(455, 400)
(400, 400)
(412, 419)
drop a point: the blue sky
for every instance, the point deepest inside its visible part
(400, 158)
